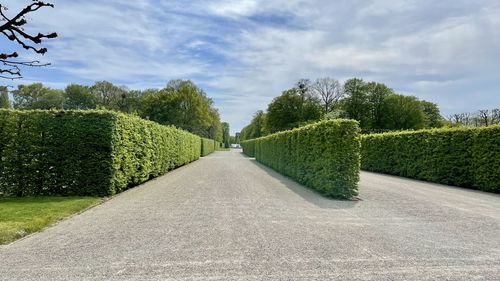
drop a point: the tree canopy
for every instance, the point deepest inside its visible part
(295, 107)
(376, 106)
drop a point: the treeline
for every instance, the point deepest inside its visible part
(181, 103)
(480, 118)
(377, 107)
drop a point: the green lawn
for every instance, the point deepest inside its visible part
(21, 216)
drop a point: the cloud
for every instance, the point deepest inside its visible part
(244, 53)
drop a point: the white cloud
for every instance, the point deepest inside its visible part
(246, 52)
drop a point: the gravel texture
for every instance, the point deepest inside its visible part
(226, 217)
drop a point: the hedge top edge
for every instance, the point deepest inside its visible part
(433, 130)
(307, 127)
(104, 112)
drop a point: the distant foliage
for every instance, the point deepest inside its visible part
(324, 156)
(226, 137)
(480, 118)
(374, 105)
(460, 156)
(96, 153)
(36, 96)
(378, 107)
(4, 98)
(256, 129)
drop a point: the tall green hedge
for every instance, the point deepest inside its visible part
(86, 152)
(248, 147)
(466, 157)
(218, 145)
(208, 146)
(324, 156)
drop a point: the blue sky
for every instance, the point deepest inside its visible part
(244, 53)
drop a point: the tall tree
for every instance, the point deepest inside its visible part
(433, 118)
(293, 108)
(129, 101)
(226, 136)
(356, 104)
(484, 117)
(4, 98)
(13, 27)
(257, 127)
(78, 97)
(183, 105)
(330, 92)
(155, 105)
(495, 116)
(376, 94)
(107, 95)
(402, 113)
(215, 129)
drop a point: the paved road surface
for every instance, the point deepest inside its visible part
(228, 217)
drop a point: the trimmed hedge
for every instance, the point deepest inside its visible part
(324, 156)
(218, 145)
(248, 147)
(95, 153)
(466, 157)
(207, 146)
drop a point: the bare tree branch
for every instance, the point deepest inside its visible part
(329, 90)
(14, 31)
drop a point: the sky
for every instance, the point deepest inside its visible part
(243, 53)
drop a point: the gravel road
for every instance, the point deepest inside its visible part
(226, 217)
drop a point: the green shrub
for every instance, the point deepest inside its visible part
(467, 157)
(94, 153)
(324, 156)
(207, 146)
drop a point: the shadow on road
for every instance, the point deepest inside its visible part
(306, 193)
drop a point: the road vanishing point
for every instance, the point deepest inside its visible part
(227, 217)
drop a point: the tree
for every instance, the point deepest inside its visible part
(183, 105)
(376, 94)
(190, 108)
(107, 95)
(495, 116)
(257, 127)
(78, 97)
(36, 96)
(155, 104)
(403, 113)
(329, 91)
(484, 117)
(480, 118)
(433, 118)
(4, 98)
(294, 108)
(226, 137)
(215, 130)
(356, 104)
(13, 29)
